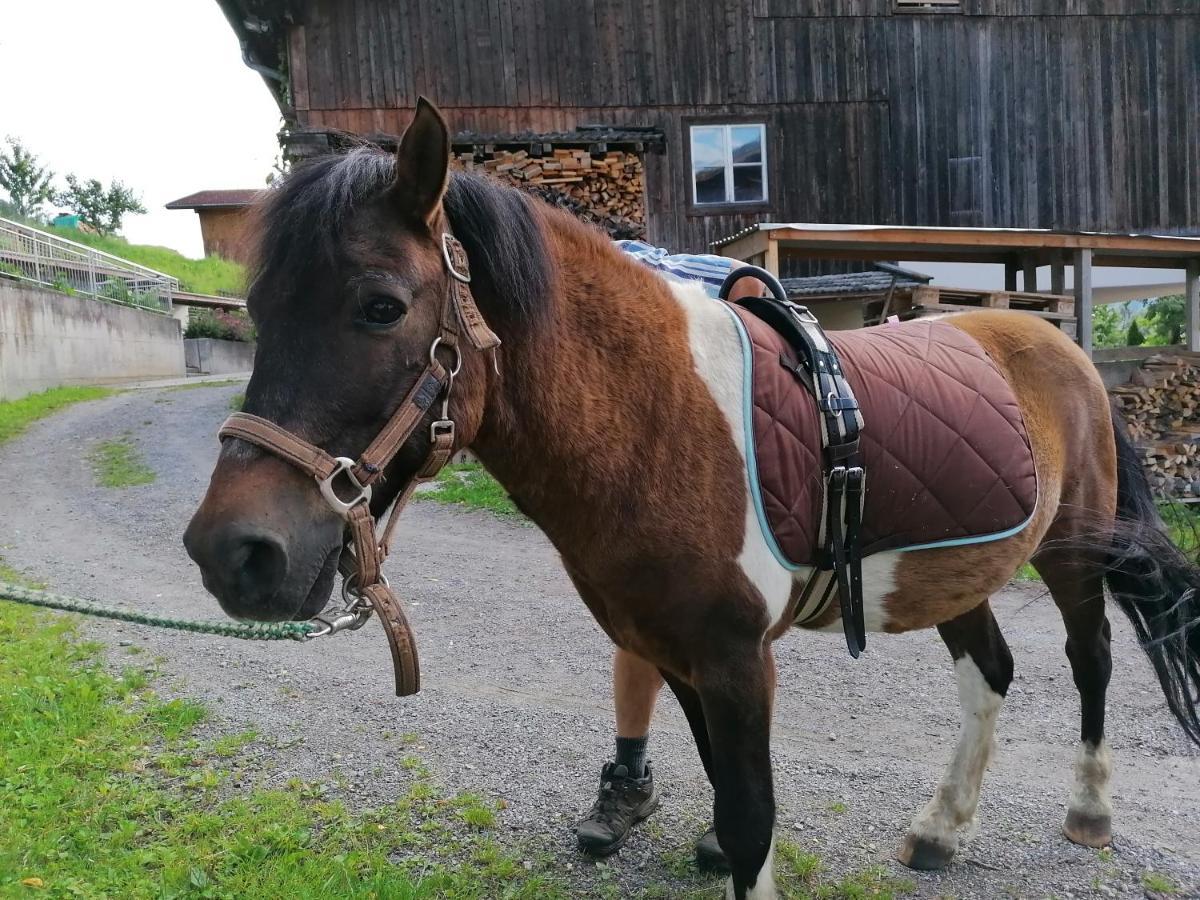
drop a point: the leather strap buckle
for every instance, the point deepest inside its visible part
(340, 506)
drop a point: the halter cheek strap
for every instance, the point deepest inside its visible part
(346, 483)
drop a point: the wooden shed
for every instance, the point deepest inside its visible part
(1067, 115)
(222, 220)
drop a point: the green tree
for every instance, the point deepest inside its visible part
(1134, 336)
(1166, 317)
(25, 181)
(1107, 328)
(97, 206)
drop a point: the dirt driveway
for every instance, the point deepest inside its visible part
(516, 701)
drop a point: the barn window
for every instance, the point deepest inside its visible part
(928, 5)
(729, 164)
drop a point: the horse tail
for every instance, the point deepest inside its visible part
(1156, 586)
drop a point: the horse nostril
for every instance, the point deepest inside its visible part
(260, 564)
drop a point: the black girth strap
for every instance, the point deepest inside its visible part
(820, 370)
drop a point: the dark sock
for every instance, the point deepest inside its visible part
(631, 753)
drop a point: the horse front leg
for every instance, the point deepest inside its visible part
(736, 694)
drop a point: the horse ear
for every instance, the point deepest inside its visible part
(422, 163)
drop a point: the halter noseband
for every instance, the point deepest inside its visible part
(363, 587)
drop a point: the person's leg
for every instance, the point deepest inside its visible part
(627, 794)
(636, 684)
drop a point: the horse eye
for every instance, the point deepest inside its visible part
(380, 310)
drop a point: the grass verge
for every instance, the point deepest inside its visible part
(210, 275)
(104, 791)
(469, 485)
(119, 464)
(17, 415)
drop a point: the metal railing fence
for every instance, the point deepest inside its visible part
(30, 254)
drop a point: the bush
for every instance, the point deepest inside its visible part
(220, 325)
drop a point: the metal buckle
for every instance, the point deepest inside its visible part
(446, 426)
(340, 506)
(454, 273)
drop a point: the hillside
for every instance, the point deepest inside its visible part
(211, 275)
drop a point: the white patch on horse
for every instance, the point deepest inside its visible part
(879, 581)
(953, 805)
(717, 357)
(1093, 769)
(764, 885)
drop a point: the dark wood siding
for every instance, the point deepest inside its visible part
(1072, 114)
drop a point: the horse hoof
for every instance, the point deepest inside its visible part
(1088, 830)
(924, 854)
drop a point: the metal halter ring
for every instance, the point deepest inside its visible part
(340, 506)
(457, 355)
(454, 273)
(350, 595)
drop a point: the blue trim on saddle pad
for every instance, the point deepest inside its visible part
(756, 488)
(748, 437)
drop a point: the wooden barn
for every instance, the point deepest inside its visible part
(692, 120)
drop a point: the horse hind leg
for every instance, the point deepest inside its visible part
(984, 668)
(1076, 584)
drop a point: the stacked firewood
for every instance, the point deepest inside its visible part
(1161, 404)
(607, 189)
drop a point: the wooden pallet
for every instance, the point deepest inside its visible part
(928, 295)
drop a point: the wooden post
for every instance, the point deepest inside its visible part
(1058, 278)
(1010, 275)
(1029, 276)
(1082, 264)
(771, 256)
(1191, 292)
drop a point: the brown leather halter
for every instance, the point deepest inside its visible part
(364, 586)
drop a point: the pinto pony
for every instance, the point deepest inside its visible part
(612, 414)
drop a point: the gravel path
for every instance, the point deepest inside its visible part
(516, 701)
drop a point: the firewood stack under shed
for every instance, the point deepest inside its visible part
(606, 189)
(1161, 403)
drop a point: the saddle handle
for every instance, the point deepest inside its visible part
(748, 271)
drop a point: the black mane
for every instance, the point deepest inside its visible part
(303, 219)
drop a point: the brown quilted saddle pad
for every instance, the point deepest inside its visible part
(943, 444)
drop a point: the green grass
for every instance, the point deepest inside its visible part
(469, 485)
(13, 576)
(1158, 884)
(799, 875)
(118, 464)
(211, 275)
(236, 402)
(17, 415)
(105, 792)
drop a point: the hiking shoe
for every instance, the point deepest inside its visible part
(621, 804)
(709, 855)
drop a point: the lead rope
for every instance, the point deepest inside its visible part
(255, 631)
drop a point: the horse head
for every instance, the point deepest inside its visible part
(349, 297)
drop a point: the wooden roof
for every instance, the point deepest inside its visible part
(234, 199)
(983, 245)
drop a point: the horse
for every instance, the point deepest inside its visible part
(611, 413)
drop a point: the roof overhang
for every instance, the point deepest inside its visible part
(978, 245)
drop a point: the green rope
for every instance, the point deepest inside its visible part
(258, 631)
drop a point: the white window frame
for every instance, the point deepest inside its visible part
(920, 6)
(729, 164)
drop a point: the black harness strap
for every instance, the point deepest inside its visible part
(820, 371)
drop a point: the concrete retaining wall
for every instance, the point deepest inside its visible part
(49, 339)
(208, 356)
